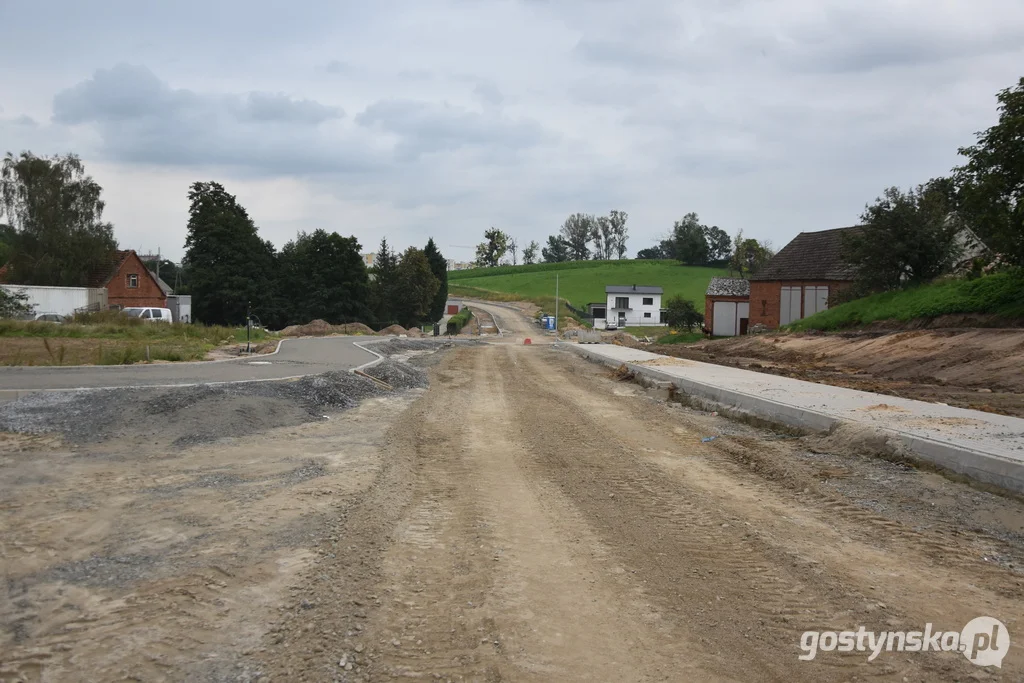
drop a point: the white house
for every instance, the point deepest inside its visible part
(632, 306)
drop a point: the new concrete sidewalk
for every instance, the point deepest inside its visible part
(983, 446)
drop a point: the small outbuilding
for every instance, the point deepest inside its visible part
(727, 306)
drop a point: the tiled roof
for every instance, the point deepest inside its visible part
(632, 289)
(728, 286)
(101, 275)
(811, 256)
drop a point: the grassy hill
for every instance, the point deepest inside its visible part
(581, 282)
(1000, 295)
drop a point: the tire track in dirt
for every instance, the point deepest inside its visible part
(766, 591)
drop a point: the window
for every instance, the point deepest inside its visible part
(648, 301)
(146, 314)
(622, 302)
(133, 280)
(647, 315)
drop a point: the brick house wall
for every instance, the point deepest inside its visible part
(709, 307)
(766, 298)
(146, 292)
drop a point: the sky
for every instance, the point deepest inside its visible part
(410, 119)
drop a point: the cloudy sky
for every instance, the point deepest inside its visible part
(417, 118)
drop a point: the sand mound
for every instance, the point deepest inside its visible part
(393, 329)
(415, 332)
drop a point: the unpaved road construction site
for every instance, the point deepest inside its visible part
(478, 512)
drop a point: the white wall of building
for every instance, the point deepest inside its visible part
(61, 300)
(642, 309)
(727, 316)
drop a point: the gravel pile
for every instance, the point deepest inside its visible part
(186, 416)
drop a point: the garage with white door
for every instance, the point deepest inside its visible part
(730, 318)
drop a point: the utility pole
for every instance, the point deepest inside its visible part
(556, 306)
(248, 327)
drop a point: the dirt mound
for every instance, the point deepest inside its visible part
(354, 328)
(620, 338)
(397, 330)
(415, 332)
(320, 328)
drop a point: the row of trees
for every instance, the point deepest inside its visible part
(581, 237)
(695, 244)
(317, 275)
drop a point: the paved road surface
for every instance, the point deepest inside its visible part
(296, 357)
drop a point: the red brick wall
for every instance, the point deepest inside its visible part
(709, 308)
(148, 293)
(765, 298)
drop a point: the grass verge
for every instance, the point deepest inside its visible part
(110, 338)
(1000, 295)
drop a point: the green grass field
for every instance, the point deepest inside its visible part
(583, 282)
(1001, 294)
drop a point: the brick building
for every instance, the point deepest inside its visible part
(128, 282)
(801, 279)
(727, 306)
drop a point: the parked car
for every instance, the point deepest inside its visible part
(49, 318)
(152, 315)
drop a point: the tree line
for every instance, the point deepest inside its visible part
(55, 235)
(317, 275)
(582, 237)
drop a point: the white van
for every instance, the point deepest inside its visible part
(152, 315)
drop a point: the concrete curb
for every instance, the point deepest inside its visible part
(989, 468)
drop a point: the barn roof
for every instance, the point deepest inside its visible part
(811, 256)
(728, 286)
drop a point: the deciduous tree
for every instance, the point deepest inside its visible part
(59, 237)
(690, 241)
(680, 312)
(577, 231)
(530, 252)
(556, 250)
(907, 238)
(323, 276)
(991, 183)
(490, 251)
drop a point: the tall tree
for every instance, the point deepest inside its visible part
(55, 210)
(991, 183)
(323, 276)
(907, 238)
(719, 244)
(439, 267)
(513, 249)
(530, 252)
(229, 265)
(577, 231)
(601, 236)
(418, 286)
(690, 241)
(490, 251)
(619, 232)
(556, 250)
(384, 292)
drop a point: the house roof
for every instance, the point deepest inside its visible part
(632, 289)
(811, 256)
(164, 287)
(105, 272)
(728, 286)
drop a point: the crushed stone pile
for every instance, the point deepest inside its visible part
(184, 416)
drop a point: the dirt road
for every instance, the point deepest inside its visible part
(527, 517)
